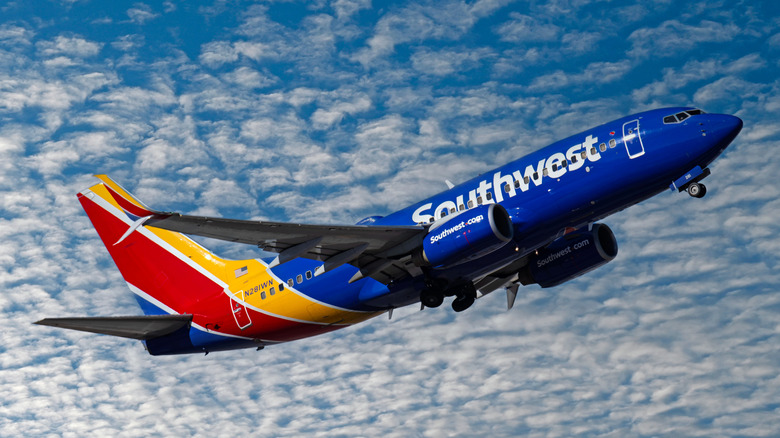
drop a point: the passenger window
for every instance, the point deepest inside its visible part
(290, 282)
(308, 275)
(299, 278)
(488, 196)
(573, 159)
(603, 147)
(479, 200)
(461, 207)
(593, 151)
(471, 203)
(517, 183)
(262, 295)
(612, 142)
(536, 175)
(507, 187)
(565, 163)
(584, 155)
(555, 167)
(453, 210)
(526, 180)
(544, 172)
(281, 287)
(272, 291)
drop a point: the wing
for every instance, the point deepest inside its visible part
(380, 252)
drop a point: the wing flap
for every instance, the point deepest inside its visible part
(142, 328)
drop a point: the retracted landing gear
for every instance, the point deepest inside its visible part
(697, 190)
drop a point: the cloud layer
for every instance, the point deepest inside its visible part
(332, 111)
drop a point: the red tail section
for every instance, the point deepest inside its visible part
(171, 274)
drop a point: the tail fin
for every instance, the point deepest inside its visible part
(169, 274)
(167, 271)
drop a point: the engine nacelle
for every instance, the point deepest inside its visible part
(570, 256)
(465, 236)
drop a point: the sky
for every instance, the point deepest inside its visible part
(331, 111)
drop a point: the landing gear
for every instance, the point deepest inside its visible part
(434, 293)
(464, 297)
(697, 190)
(462, 303)
(431, 298)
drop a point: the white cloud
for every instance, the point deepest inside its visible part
(673, 37)
(594, 73)
(447, 62)
(524, 28)
(72, 46)
(140, 13)
(442, 21)
(677, 336)
(346, 8)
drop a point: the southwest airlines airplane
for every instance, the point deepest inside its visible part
(532, 221)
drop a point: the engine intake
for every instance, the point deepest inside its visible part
(570, 256)
(465, 236)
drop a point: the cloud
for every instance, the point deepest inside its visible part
(673, 37)
(447, 62)
(346, 8)
(140, 13)
(593, 74)
(445, 21)
(331, 112)
(524, 28)
(72, 46)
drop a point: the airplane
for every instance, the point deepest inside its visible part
(532, 221)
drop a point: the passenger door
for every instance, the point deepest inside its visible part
(240, 314)
(632, 139)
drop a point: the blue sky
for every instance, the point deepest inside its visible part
(330, 111)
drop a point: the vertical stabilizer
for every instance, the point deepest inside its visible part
(168, 272)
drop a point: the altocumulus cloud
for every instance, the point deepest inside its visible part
(334, 111)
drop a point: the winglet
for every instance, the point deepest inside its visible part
(134, 208)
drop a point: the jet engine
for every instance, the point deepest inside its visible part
(465, 236)
(570, 256)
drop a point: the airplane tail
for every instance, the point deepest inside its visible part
(169, 274)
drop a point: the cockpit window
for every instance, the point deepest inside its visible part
(682, 115)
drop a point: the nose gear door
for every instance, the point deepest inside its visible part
(632, 139)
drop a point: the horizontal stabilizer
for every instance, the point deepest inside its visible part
(135, 327)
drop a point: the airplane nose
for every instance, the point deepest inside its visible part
(726, 127)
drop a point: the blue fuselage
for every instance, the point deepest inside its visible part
(568, 185)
